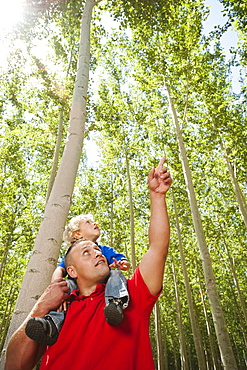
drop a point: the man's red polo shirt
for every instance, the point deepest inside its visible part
(88, 342)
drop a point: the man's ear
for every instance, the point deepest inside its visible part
(72, 271)
(77, 235)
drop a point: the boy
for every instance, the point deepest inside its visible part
(45, 330)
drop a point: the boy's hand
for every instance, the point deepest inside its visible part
(120, 265)
(54, 295)
(63, 306)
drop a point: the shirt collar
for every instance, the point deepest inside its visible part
(74, 295)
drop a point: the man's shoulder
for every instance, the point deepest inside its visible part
(137, 282)
(140, 295)
(136, 278)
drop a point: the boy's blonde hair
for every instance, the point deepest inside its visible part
(73, 226)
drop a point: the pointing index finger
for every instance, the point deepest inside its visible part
(161, 162)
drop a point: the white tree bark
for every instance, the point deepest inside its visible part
(131, 208)
(56, 154)
(46, 250)
(226, 352)
(193, 320)
(239, 195)
(182, 345)
(160, 353)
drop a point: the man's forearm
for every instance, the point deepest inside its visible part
(153, 262)
(159, 229)
(22, 352)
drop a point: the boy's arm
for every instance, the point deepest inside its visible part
(114, 258)
(153, 262)
(59, 272)
(22, 352)
(123, 265)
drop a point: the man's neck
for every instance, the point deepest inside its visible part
(87, 291)
(85, 288)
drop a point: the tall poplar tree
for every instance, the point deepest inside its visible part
(46, 250)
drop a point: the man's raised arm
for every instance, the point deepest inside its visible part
(153, 262)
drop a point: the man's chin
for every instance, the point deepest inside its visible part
(105, 278)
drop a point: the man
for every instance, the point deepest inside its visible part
(86, 341)
(45, 330)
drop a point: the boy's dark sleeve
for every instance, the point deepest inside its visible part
(62, 264)
(111, 253)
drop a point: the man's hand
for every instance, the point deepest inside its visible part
(159, 179)
(54, 295)
(120, 265)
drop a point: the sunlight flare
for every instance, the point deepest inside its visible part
(10, 13)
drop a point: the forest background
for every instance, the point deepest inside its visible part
(158, 85)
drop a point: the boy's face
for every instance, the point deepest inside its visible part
(88, 230)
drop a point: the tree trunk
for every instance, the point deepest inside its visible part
(160, 355)
(176, 365)
(5, 316)
(112, 208)
(240, 296)
(194, 324)
(56, 154)
(165, 353)
(239, 195)
(238, 313)
(183, 353)
(46, 250)
(213, 346)
(132, 222)
(227, 356)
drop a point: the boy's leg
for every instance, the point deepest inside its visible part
(46, 329)
(57, 318)
(116, 297)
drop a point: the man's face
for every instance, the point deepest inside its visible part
(88, 230)
(89, 264)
